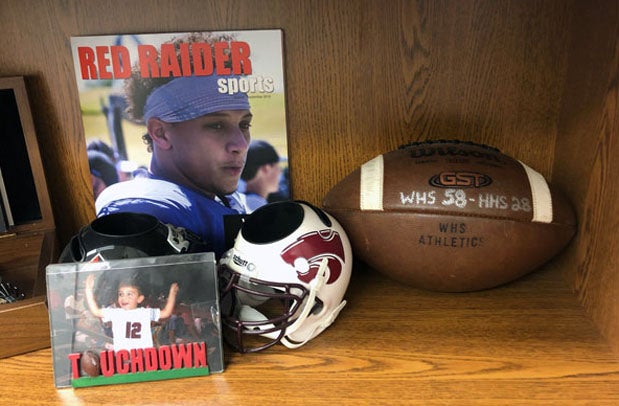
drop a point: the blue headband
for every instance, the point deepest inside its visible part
(190, 97)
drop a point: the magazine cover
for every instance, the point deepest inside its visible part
(134, 320)
(173, 118)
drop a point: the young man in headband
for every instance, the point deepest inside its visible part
(199, 139)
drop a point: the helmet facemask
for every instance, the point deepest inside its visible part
(282, 289)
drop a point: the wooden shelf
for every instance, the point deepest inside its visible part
(24, 326)
(537, 79)
(529, 340)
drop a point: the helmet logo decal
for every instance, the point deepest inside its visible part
(238, 260)
(313, 247)
(97, 258)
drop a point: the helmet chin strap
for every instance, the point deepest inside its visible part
(248, 313)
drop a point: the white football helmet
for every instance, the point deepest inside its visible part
(285, 278)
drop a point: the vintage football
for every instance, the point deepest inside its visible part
(451, 216)
(89, 364)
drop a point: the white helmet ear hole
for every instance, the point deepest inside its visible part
(301, 265)
(317, 308)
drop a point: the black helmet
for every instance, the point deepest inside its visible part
(129, 235)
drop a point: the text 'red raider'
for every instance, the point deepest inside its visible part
(198, 58)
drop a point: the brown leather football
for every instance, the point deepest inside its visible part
(451, 216)
(89, 364)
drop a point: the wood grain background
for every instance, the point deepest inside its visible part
(585, 165)
(392, 345)
(535, 78)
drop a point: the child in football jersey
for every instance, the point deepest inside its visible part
(130, 323)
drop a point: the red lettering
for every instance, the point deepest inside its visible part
(150, 358)
(221, 57)
(122, 366)
(75, 368)
(199, 355)
(103, 62)
(148, 61)
(107, 363)
(137, 360)
(169, 62)
(95, 64)
(202, 59)
(121, 62)
(240, 58)
(183, 49)
(86, 57)
(181, 356)
(198, 59)
(165, 357)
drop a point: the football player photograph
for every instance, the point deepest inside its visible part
(261, 175)
(102, 171)
(198, 138)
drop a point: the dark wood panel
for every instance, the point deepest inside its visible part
(586, 165)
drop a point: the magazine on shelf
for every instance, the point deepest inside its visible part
(241, 62)
(170, 330)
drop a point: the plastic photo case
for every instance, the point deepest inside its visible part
(134, 320)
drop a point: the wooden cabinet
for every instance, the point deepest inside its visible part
(537, 79)
(28, 243)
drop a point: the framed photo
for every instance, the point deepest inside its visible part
(134, 320)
